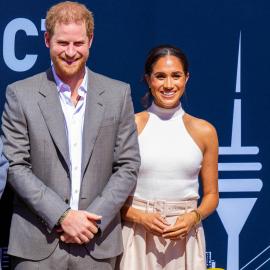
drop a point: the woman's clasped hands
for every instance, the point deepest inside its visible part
(158, 225)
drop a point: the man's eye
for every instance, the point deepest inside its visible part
(62, 43)
(78, 44)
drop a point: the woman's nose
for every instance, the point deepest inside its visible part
(168, 83)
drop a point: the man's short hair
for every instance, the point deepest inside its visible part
(68, 12)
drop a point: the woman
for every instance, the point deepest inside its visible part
(162, 223)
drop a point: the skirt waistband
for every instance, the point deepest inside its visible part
(165, 208)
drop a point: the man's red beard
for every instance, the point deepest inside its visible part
(66, 71)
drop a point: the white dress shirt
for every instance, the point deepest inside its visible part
(74, 119)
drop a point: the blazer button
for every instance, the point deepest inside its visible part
(66, 201)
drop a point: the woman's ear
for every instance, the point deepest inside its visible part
(147, 79)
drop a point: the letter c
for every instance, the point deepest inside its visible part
(9, 56)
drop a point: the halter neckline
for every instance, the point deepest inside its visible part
(166, 114)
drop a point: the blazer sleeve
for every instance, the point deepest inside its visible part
(3, 169)
(42, 200)
(125, 167)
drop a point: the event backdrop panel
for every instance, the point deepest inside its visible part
(227, 43)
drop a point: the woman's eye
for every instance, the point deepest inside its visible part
(160, 77)
(177, 76)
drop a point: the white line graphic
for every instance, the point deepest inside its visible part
(263, 264)
(234, 212)
(244, 166)
(256, 257)
(240, 185)
(236, 147)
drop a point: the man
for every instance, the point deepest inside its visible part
(3, 177)
(71, 141)
(3, 172)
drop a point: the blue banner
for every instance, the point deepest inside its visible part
(227, 43)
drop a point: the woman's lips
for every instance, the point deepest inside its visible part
(168, 93)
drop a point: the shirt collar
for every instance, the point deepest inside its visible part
(61, 86)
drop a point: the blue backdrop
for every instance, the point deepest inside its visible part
(227, 43)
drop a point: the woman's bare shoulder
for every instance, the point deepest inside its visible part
(200, 126)
(141, 115)
(141, 119)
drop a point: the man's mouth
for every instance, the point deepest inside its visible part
(70, 61)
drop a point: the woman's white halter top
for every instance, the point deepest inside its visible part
(170, 158)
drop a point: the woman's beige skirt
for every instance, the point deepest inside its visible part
(145, 251)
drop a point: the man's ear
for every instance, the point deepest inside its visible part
(47, 39)
(91, 40)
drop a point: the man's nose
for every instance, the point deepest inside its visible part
(70, 51)
(168, 83)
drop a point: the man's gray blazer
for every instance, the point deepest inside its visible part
(36, 146)
(3, 171)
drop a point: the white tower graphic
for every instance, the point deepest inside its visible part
(234, 212)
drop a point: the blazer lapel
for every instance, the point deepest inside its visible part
(92, 119)
(51, 110)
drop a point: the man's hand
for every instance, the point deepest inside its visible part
(79, 227)
(181, 228)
